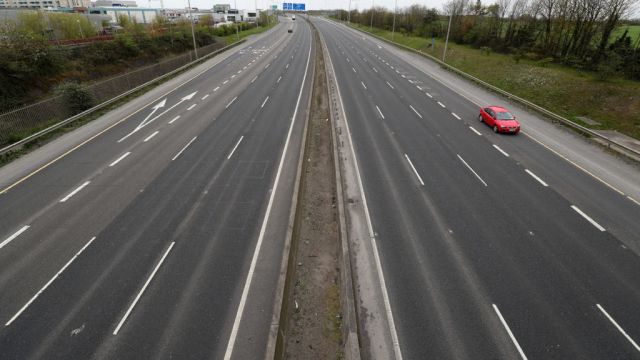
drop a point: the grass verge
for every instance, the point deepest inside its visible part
(230, 39)
(571, 93)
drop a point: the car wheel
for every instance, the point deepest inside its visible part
(480, 118)
(495, 128)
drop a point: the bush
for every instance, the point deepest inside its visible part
(77, 98)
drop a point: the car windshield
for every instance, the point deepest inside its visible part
(504, 116)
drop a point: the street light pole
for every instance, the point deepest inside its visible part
(235, 4)
(371, 25)
(393, 31)
(257, 17)
(349, 15)
(446, 42)
(193, 32)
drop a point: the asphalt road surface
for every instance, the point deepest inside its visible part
(162, 235)
(491, 246)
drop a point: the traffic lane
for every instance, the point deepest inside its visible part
(620, 210)
(446, 303)
(145, 234)
(422, 138)
(82, 161)
(256, 324)
(111, 187)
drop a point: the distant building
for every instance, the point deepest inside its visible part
(220, 8)
(114, 3)
(140, 15)
(42, 4)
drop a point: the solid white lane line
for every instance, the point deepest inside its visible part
(135, 301)
(634, 200)
(379, 112)
(414, 169)
(456, 116)
(513, 338)
(499, 149)
(151, 136)
(184, 148)
(74, 191)
(470, 168)
(235, 147)
(536, 177)
(120, 158)
(231, 102)
(363, 85)
(23, 308)
(354, 69)
(174, 119)
(254, 79)
(204, 97)
(391, 86)
(264, 102)
(216, 89)
(15, 235)
(375, 70)
(278, 81)
(192, 106)
(441, 104)
(224, 82)
(635, 345)
(429, 95)
(589, 219)
(475, 131)
(415, 111)
(256, 252)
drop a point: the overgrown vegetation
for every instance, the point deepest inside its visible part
(32, 63)
(579, 33)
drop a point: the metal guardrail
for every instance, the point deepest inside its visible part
(515, 98)
(73, 118)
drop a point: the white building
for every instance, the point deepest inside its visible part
(41, 4)
(141, 15)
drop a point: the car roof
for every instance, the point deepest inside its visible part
(497, 108)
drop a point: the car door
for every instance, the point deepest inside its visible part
(489, 116)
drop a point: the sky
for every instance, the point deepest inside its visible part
(310, 4)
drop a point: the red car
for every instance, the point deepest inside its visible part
(500, 119)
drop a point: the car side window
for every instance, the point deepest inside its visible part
(489, 111)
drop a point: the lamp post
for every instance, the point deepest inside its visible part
(371, 25)
(193, 32)
(446, 42)
(235, 4)
(393, 30)
(349, 15)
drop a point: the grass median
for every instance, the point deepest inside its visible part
(612, 102)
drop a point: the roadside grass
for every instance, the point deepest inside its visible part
(614, 103)
(634, 32)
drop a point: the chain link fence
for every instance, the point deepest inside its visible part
(20, 123)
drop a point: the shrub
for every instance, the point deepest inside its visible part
(77, 98)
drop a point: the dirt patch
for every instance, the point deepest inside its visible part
(314, 328)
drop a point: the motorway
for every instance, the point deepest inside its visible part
(161, 235)
(491, 246)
